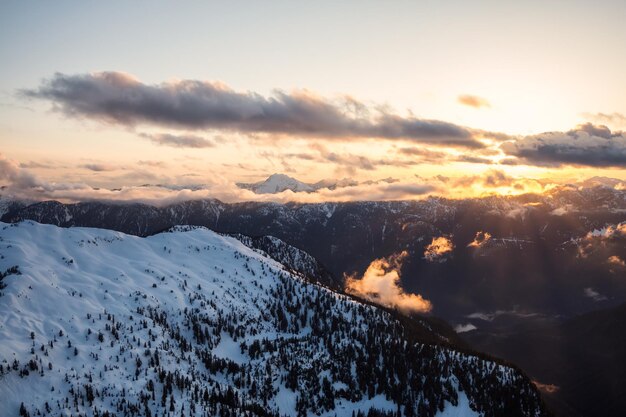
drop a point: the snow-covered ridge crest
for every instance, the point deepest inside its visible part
(184, 228)
(296, 260)
(196, 323)
(291, 257)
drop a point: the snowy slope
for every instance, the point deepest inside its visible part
(194, 323)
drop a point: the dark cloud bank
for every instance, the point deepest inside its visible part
(115, 97)
(189, 104)
(587, 145)
(178, 141)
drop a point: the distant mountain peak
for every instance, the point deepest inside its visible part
(277, 183)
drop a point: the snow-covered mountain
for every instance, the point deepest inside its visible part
(277, 183)
(96, 322)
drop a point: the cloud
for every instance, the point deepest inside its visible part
(36, 165)
(409, 189)
(377, 191)
(495, 136)
(601, 238)
(492, 181)
(587, 145)
(616, 261)
(546, 388)
(491, 178)
(510, 161)
(482, 316)
(347, 161)
(438, 249)
(351, 160)
(119, 98)
(156, 164)
(381, 284)
(594, 295)
(496, 178)
(480, 239)
(301, 155)
(359, 161)
(425, 155)
(462, 328)
(473, 101)
(21, 184)
(473, 159)
(493, 315)
(15, 175)
(178, 141)
(608, 232)
(613, 119)
(127, 183)
(98, 167)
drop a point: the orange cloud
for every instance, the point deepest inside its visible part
(438, 248)
(479, 240)
(617, 261)
(473, 101)
(608, 232)
(546, 388)
(381, 284)
(590, 242)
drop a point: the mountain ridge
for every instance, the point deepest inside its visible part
(531, 236)
(199, 323)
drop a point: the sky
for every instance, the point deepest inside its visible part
(404, 99)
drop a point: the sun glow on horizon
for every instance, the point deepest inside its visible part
(379, 97)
